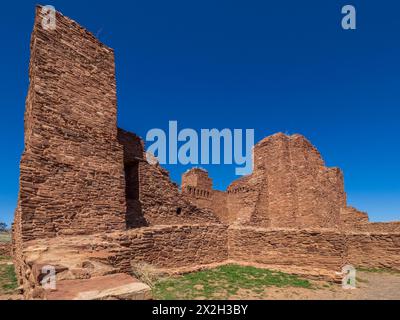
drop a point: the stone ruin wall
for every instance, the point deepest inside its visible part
(80, 175)
(302, 192)
(168, 248)
(190, 246)
(287, 247)
(71, 172)
(318, 253)
(351, 218)
(290, 187)
(172, 247)
(293, 186)
(373, 249)
(152, 198)
(73, 177)
(315, 248)
(196, 186)
(384, 227)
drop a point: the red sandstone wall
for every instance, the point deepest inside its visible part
(373, 250)
(309, 248)
(162, 203)
(197, 178)
(352, 219)
(172, 246)
(218, 205)
(190, 246)
(197, 187)
(297, 189)
(289, 187)
(242, 199)
(158, 200)
(71, 179)
(325, 249)
(379, 227)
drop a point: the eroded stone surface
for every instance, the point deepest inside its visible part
(111, 287)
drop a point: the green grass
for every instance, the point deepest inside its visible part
(224, 282)
(8, 279)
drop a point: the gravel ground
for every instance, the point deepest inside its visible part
(370, 286)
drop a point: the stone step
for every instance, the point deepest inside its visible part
(110, 287)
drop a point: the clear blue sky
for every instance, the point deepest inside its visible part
(268, 65)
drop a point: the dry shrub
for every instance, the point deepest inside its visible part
(147, 273)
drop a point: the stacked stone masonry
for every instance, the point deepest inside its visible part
(5, 248)
(92, 205)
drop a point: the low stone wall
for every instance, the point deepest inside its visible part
(290, 247)
(175, 246)
(307, 252)
(324, 248)
(373, 250)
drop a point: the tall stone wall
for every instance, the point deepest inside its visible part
(297, 190)
(71, 171)
(156, 200)
(243, 196)
(197, 187)
(219, 206)
(290, 187)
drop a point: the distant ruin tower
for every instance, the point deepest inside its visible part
(196, 183)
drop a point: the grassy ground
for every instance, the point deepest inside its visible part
(5, 237)
(8, 279)
(224, 282)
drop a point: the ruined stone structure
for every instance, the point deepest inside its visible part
(289, 187)
(91, 205)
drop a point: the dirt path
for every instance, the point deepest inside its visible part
(371, 286)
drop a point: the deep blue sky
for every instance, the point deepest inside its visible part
(269, 65)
